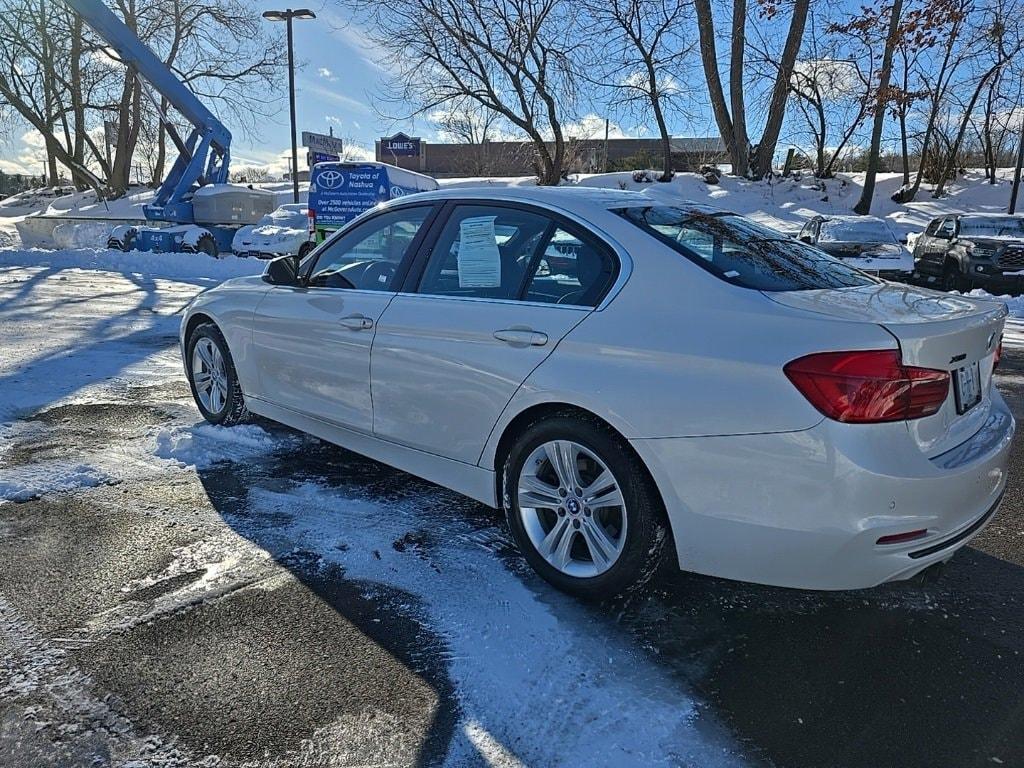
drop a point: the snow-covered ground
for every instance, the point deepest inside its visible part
(536, 678)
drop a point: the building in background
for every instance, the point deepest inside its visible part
(516, 158)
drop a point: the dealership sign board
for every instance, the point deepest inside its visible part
(321, 142)
(400, 145)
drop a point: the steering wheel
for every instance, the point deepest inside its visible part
(377, 275)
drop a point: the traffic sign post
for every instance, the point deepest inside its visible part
(321, 142)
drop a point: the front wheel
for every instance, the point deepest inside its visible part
(582, 508)
(212, 377)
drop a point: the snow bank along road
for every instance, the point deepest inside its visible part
(174, 594)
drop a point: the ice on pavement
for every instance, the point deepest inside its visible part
(519, 652)
(203, 445)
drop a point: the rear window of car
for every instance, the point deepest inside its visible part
(742, 252)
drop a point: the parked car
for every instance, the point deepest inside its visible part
(963, 250)
(864, 242)
(281, 232)
(690, 381)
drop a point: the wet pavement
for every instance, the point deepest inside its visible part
(227, 615)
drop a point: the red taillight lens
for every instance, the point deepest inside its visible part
(868, 387)
(312, 221)
(998, 355)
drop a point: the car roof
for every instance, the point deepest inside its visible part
(575, 199)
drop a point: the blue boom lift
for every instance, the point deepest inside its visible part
(203, 211)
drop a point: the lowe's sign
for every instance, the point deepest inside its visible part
(399, 145)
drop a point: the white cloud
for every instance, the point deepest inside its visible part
(26, 154)
(834, 78)
(669, 85)
(327, 75)
(592, 127)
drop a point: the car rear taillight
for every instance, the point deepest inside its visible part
(868, 386)
(999, 354)
(311, 218)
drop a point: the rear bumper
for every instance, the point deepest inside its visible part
(806, 509)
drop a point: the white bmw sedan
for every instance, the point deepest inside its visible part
(625, 376)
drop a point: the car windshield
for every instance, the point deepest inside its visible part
(286, 216)
(742, 252)
(992, 226)
(865, 231)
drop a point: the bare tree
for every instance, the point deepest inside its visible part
(1005, 42)
(516, 58)
(872, 17)
(639, 47)
(753, 161)
(66, 82)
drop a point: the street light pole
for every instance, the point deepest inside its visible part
(286, 16)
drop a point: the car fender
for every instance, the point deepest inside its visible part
(231, 306)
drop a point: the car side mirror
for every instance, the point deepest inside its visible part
(284, 270)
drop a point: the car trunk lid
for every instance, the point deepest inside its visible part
(958, 334)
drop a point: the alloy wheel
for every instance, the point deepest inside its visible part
(572, 508)
(209, 375)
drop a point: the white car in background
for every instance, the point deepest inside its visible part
(864, 242)
(689, 378)
(283, 232)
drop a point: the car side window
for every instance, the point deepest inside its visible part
(485, 251)
(933, 227)
(368, 257)
(948, 228)
(572, 270)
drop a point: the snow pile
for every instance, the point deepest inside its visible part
(1013, 303)
(29, 481)
(171, 266)
(203, 445)
(80, 234)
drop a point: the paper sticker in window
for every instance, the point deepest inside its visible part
(478, 255)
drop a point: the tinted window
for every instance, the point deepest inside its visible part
(744, 253)
(948, 228)
(933, 227)
(570, 270)
(368, 256)
(512, 253)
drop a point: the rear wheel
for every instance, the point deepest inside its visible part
(212, 377)
(582, 508)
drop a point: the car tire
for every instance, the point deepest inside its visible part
(634, 532)
(212, 377)
(953, 279)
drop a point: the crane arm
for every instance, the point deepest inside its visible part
(204, 156)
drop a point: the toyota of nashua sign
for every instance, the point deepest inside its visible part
(399, 145)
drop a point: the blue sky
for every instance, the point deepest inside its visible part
(338, 74)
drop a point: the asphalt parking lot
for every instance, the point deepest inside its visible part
(240, 614)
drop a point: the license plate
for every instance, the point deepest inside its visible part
(967, 387)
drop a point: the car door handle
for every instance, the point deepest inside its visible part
(357, 322)
(522, 337)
